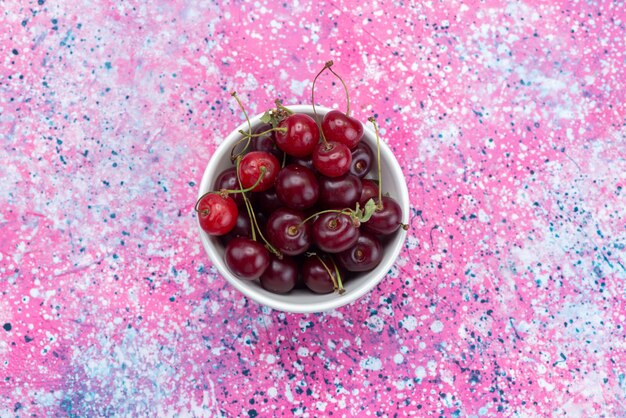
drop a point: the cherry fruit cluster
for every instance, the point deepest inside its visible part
(296, 208)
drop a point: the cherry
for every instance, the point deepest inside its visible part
(339, 192)
(300, 135)
(370, 191)
(243, 227)
(305, 161)
(332, 159)
(296, 187)
(362, 159)
(319, 275)
(267, 201)
(339, 127)
(287, 232)
(334, 232)
(217, 214)
(364, 255)
(281, 275)
(256, 164)
(246, 259)
(266, 142)
(227, 180)
(386, 219)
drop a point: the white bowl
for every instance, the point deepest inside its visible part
(302, 300)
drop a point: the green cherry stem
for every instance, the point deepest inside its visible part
(253, 221)
(344, 211)
(379, 205)
(317, 120)
(345, 88)
(233, 154)
(225, 192)
(340, 288)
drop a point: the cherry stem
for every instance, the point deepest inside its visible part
(327, 65)
(225, 192)
(345, 88)
(250, 210)
(281, 108)
(344, 211)
(263, 133)
(234, 155)
(340, 288)
(379, 205)
(337, 286)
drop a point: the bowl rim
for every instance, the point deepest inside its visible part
(329, 304)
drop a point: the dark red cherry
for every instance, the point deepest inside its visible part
(227, 179)
(243, 227)
(250, 170)
(362, 160)
(267, 201)
(315, 275)
(305, 161)
(281, 275)
(370, 191)
(246, 259)
(334, 232)
(339, 192)
(266, 143)
(339, 127)
(387, 220)
(217, 214)
(364, 255)
(296, 187)
(332, 159)
(301, 136)
(286, 232)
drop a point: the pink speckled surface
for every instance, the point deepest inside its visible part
(509, 121)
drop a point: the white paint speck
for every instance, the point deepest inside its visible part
(420, 372)
(398, 358)
(409, 323)
(436, 326)
(371, 363)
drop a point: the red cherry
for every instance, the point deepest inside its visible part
(332, 159)
(301, 136)
(370, 191)
(246, 259)
(250, 170)
(339, 127)
(217, 214)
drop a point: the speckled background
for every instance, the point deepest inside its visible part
(509, 121)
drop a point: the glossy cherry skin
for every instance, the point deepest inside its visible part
(301, 136)
(370, 191)
(243, 228)
(315, 275)
(267, 201)
(217, 214)
(364, 255)
(387, 220)
(280, 276)
(334, 232)
(227, 179)
(305, 161)
(266, 143)
(246, 259)
(296, 187)
(332, 159)
(250, 170)
(341, 128)
(339, 192)
(362, 160)
(286, 232)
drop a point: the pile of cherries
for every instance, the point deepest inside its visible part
(296, 210)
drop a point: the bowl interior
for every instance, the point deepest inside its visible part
(301, 300)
